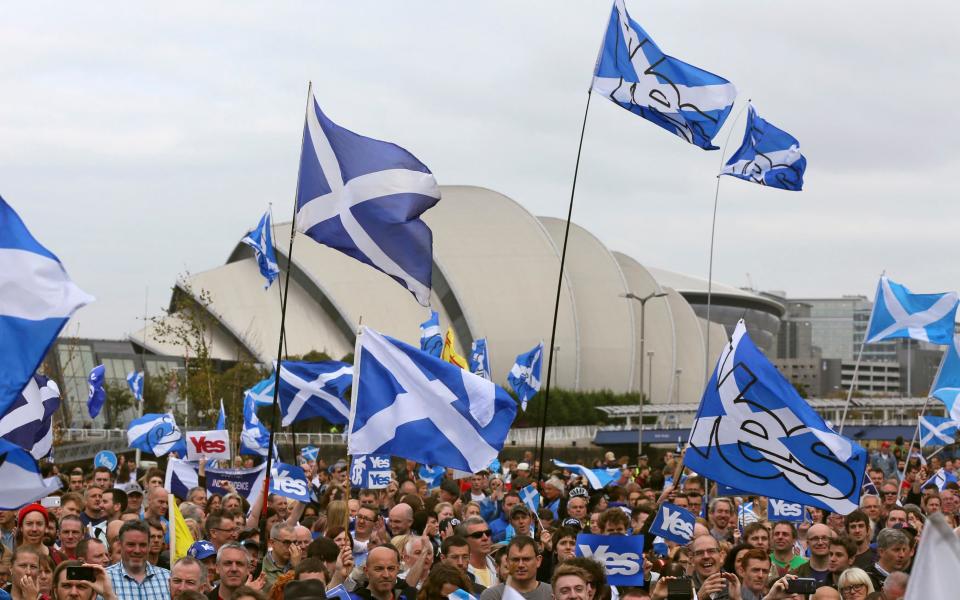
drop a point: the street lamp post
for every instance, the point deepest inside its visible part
(643, 310)
(650, 379)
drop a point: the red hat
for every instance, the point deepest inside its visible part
(885, 445)
(26, 510)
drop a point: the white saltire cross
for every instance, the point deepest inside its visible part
(934, 432)
(915, 323)
(307, 389)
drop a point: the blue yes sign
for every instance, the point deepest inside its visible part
(781, 510)
(620, 555)
(290, 482)
(673, 523)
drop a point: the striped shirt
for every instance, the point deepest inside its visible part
(155, 586)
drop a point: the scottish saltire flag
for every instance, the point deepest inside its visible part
(946, 385)
(683, 99)
(364, 197)
(416, 406)
(37, 299)
(254, 437)
(524, 377)
(754, 432)
(768, 156)
(262, 392)
(897, 313)
(22, 481)
(460, 594)
(221, 417)
(314, 389)
(431, 340)
(940, 479)
(746, 514)
(28, 423)
(432, 475)
(261, 240)
(480, 358)
(597, 478)
(157, 434)
(937, 431)
(449, 352)
(310, 452)
(135, 383)
(96, 395)
(531, 497)
(869, 489)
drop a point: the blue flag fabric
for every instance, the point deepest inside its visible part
(460, 594)
(254, 437)
(261, 240)
(754, 432)
(524, 377)
(37, 299)
(946, 385)
(22, 481)
(781, 510)
(96, 395)
(597, 478)
(674, 523)
(635, 74)
(28, 423)
(937, 431)
(746, 514)
(364, 197)
(221, 417)
(156, 434)
(416, 406)
(898, 313)
(480, 359)
(432, 475)
(431, 338)
(314, 389)
(768, 155)
(531, 497)
(310, 452)
(621, 554)
(290, 481)
(940, 479)
(262, 392)
(370, 472)
(135, 383)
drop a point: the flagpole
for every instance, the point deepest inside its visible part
(286, 345)
(143, 363)
(354, 391)
(856, 367)
(283, 316)
(916, 435)
(556, 303)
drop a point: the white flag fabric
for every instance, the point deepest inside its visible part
(938, 557)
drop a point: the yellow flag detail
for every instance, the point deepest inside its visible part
(449, 353)
(182, 538)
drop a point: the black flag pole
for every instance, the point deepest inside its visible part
(556, 303)
(264, 535)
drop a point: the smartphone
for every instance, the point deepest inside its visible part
(802, 585)
(50, 502)
(679, 589)
(81, 574)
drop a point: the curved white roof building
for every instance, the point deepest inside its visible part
(494, 276)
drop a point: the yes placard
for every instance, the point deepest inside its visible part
(209, 445)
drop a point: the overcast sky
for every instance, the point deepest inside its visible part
(140, 141)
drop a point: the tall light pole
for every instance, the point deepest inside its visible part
(643, 312)
(650, 379)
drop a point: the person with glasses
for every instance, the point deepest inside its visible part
(855, 584)
(817, 567)
(367, 519)
(482, 566)
(523, 560)
(708, 579)
(221, 529)
(283, 552)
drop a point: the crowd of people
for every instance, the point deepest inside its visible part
(106, 535)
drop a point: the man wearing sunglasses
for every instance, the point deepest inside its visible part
(482, 566)
(283, 544)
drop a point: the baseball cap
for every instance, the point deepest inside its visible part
(610, 456)
(134, 488)
(201, 550)
(885, 445)
(519, 509)
(523, 466)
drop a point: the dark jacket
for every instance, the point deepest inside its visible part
(401, 591)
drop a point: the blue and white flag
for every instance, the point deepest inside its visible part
(754, 432)
(597, 478)
(254, 437)
(157, 434)
(480, 358)
(940, 479)
(310, 452)
(432, 475)
(622, 555)
(937, 431)
(37, 299)
(364, 197)
(105, 458)
(869, 489)
(746, 514)
(768, 156)
(457, 594)
(531, 497)
(96, 395)
(681, 98)
(524, 377)
(261, 240)
(221, 418)
(431, 338)
(946, 385)
(28, 423)
(781, 510)
(262, 392)
(897, 313)
(314, 389)
(674, 523)
(289, 481)
(135, 383)
(20, 474)
(370, 472)
(339, 592)
(416, 406)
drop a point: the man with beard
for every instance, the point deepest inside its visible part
(843, 550)
(721, 513)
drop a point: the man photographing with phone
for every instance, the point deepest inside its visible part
(74, 580)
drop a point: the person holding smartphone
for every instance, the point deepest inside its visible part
(74, 580)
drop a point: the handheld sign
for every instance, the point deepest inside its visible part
(781, 510)
(290, 482)
(211, 445)
(370, 471)
(105, 458)
(673, 523)
(247, 482)
(620, 555)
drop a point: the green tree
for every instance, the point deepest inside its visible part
(118, 401)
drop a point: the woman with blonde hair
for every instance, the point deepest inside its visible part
(338, 514)
(854, 584)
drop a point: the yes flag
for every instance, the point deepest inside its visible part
(289, 481)
(524, 377)
(135, 383)
(897, 313)
(157, 434)
(768, 156)
(946, 385)
(449, 353)
(96, 395)
(314, 389)
(754, 432)
(674, 523)
(37, 299)
(937, 431)
(781, 510)
(20, 474)
(416, 406)
(28, 423)
(254, 437)
(261, 240)
(431, 341)
(480, 359)
(364, 198)
(681, 98)
(622, 555)
(598, 478)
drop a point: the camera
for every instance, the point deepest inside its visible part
(679, 589)
(81, 574)
(802, 585)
